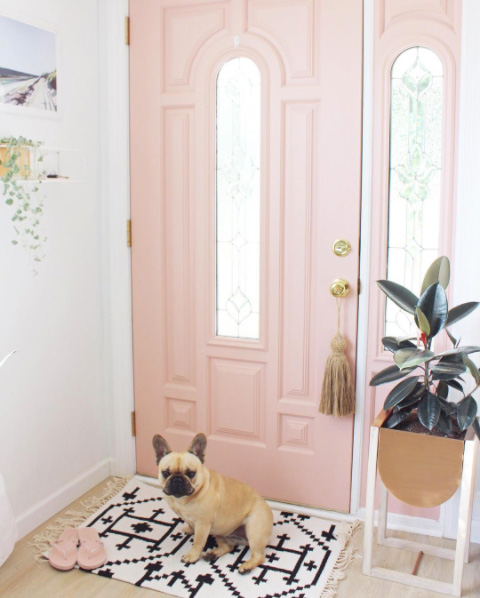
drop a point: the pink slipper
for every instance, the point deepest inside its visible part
(63, 554)
(91, 553)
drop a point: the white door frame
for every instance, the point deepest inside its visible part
(115, 193)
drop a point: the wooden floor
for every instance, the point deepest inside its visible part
(20, 577)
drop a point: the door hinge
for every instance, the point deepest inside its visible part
(127, 30)
(134, 424)
(129, 233)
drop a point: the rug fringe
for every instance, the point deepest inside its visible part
(346, 556)
(42, 542)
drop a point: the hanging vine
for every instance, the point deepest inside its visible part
(22, 192)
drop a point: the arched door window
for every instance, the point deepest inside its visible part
(238, 138)
(416, 123)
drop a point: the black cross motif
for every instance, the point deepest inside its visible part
(124, 544)
(107, 520)
(131, 495)
(311, 565)
(282, 539)
(329, 535)
(105, 573)
(272, 557)
(176, 575)
(140, 528)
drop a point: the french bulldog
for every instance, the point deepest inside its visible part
(210, 503)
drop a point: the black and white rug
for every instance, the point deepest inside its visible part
(144, 543)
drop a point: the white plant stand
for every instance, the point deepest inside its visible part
(459, 555)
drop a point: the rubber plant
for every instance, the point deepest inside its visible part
(427, 378)
(23, 197)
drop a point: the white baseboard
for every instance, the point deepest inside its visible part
(62, 497)
(406, 523)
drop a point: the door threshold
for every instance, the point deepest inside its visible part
(280, 506)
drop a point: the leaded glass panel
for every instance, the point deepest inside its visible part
(238, 199)
(415, 175)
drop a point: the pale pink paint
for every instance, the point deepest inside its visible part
(256, 401)
(400, 25)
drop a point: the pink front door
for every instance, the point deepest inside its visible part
(238, 349)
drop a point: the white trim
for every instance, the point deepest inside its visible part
(61, 498)
(116, 211)
(407, 523)
(467, 287)
(362, 326)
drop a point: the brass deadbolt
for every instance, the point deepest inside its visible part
(341, 247)
(340, 287)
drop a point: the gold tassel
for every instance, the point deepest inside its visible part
(338, 394)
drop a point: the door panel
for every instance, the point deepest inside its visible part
(256, 399)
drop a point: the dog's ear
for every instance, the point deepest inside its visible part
(198, 446)
(161, 447)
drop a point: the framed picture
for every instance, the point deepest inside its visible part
(28, 67)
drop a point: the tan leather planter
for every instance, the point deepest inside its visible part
(419, 469)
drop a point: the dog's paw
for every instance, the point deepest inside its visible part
(186, 529)
(190, 557)
(210, 556)
(243, 570)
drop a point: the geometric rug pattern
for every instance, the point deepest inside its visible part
(144, 544)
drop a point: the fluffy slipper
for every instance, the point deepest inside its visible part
(91, 553)
(63, 554)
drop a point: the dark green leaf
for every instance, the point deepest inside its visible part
(444, 423)
(460, 311)
(405, 360)
(466, 412)
(454, 384)
(434, 305)
(399, 295)
(447, 371)
(442, 390)
(400, 392)
(397, 418)
(472, 368)
(388, 375)
(439, 271)
(476, 427)
(429, 410)
(450, 336)
(392, 343)
(413, 399)
(458, 350)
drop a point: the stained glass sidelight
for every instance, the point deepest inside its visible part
(238, 199)
(415, 175)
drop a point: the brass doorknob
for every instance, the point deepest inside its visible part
(340, 287)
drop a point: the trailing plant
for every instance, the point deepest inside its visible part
(428, 378)
(23, 197)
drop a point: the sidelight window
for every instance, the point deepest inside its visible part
(416, 119)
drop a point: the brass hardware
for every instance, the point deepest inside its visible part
(127, 30)
(341, 247)
(339, 287)
(133, 423)
(129, 233)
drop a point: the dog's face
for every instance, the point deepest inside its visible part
(180, 474)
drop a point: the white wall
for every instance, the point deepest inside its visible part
(55, 408)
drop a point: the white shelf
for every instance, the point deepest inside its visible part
(67, 164)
